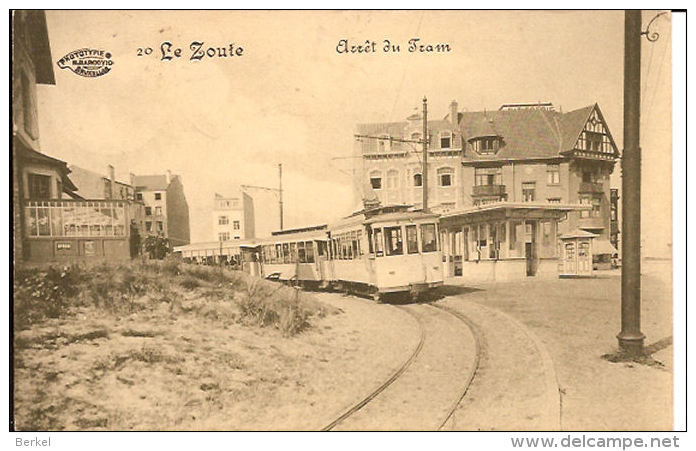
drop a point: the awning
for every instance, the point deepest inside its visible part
(600, 247)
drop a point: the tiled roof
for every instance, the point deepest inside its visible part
(526, 133)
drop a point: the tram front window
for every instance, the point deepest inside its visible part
(378, 242)
(428, 237)
(393, 241)
(411, 239)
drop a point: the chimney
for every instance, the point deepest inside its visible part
(454, 114)
(131, 176)
(112, 179)
(169, 176)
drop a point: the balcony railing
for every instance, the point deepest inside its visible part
(488, 190)
(591, 187)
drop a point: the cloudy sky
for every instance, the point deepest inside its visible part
(292, 99)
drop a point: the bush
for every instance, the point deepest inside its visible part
(44, 294)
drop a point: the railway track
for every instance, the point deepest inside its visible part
(394, 378)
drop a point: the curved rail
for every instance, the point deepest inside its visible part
(470, 377)
(387, 383)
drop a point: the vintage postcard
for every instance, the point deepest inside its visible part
(342, 221)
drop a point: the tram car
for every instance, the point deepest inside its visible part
(372, 252)
(295, 255)
(385, 250)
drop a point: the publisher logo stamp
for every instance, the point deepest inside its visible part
(87, 62)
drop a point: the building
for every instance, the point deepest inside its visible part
(51, 222)
(393, 169)
(166, 209)
(233, 217)
(507, 183)
(93, 185)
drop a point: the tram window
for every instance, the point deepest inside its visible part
(309, 251)
(301, 255)
(286, 253)
(379, 250)
(411, 239)
(428, 237)
(320, 248)
(393, 241)
(369, 240)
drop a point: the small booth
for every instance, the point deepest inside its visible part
(576, 254)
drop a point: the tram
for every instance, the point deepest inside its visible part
(372, 252)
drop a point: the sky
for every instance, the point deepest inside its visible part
(292, 99)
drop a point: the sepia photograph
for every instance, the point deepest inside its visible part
(343, 220)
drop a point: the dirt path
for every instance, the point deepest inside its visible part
(515, 386)
(421, 398)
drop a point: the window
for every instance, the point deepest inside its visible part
(392, 240)
(593, 141)
(411, 239)
(379, 246)
(444, 176)
(488, 176)
(309, 251)
(588, 177)
(596, 207)
(553, 174)
(158, 196)
(158, 211)
(417, 180)
(223, 220)
(376, 180)
(445, 140)
(39, 186)
(513, 235)
(286, 253)
(236, 237)
(224, 236)
(528, 191)
(554, 200)
(428, 238)
(301, 255)
(160, 226)
(235, 225)
(139, 196)
(486, 145)
(148, 226)
(29, 107)
(585, 200)
(148, 211)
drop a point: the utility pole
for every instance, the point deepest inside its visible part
(423, 141)
(631, 338)
(280, 191)
(425, 155)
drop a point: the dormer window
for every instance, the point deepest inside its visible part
(486, 145)
(445, 140)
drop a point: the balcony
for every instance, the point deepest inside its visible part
(591, 187)
(488, 190)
